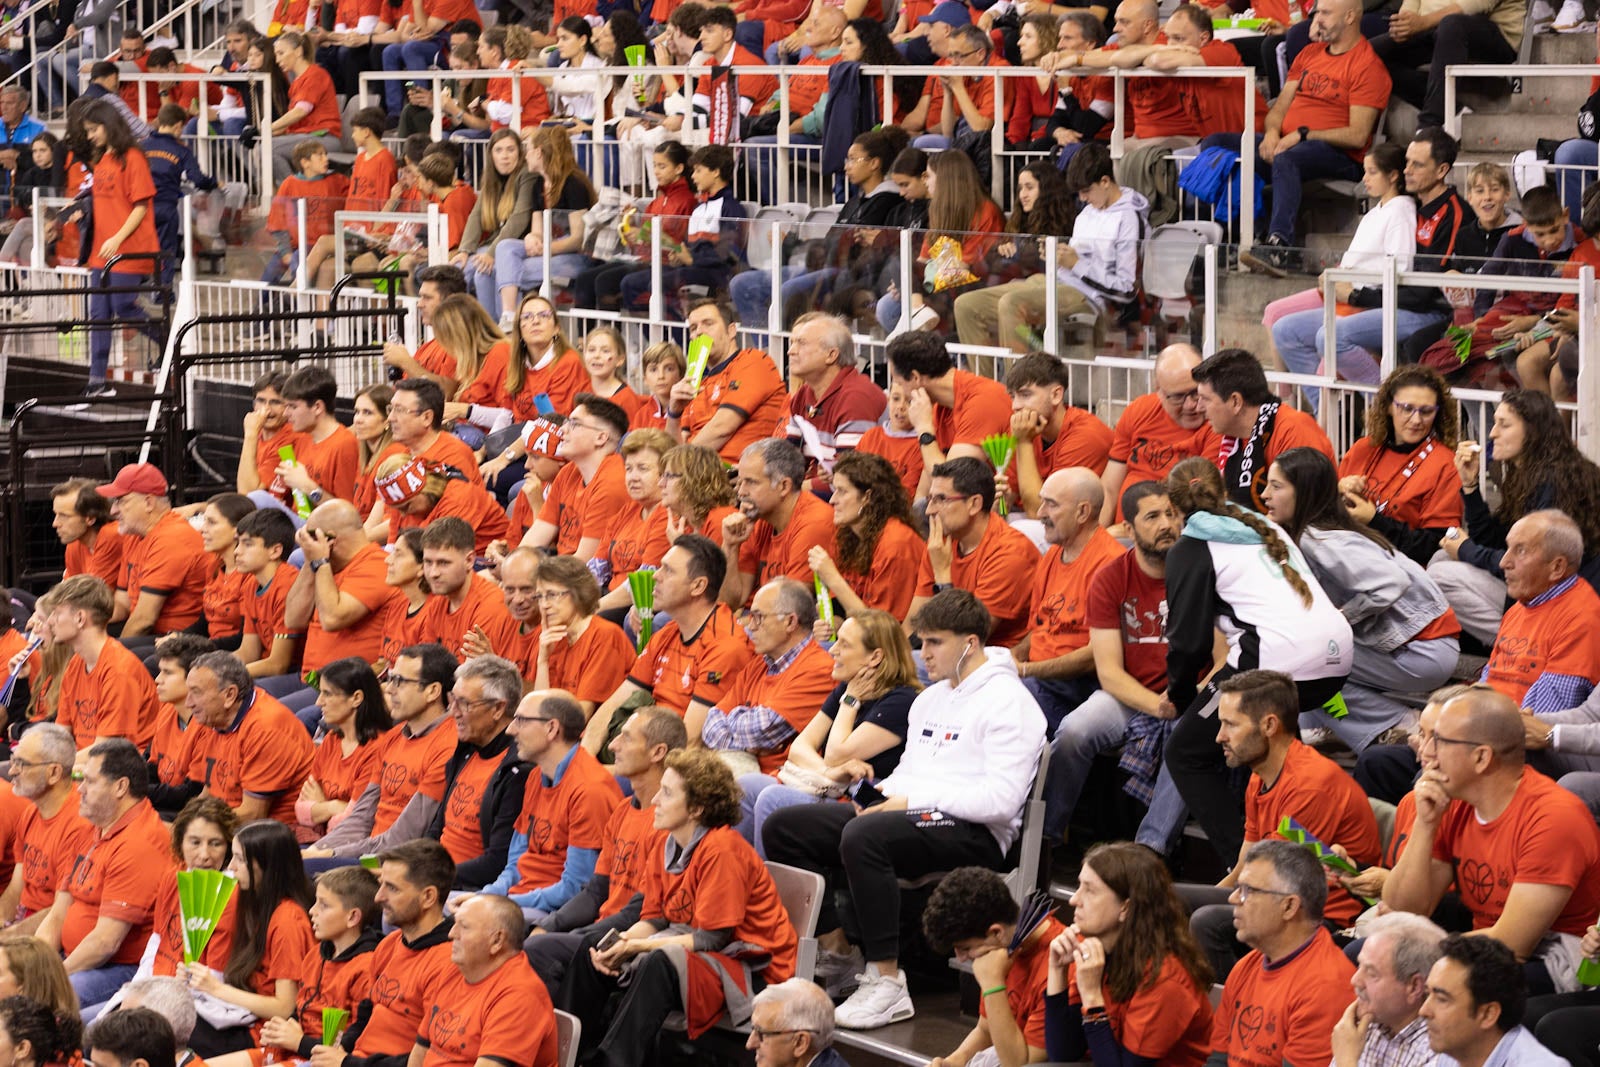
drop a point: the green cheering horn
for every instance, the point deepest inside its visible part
(202, 898)
(333, 1020)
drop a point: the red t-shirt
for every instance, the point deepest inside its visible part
(769, 553)
(980, 90)
(578, 509)
(462, 835)
(1156, 105)
(222, 600)
(1149, 442)
(632, 843)
(1168, 1022)
(591, 667)
(117, 878)
(796, 694)
(506, 1017)
(1420, 489)
(560, 381)
(1556, 637)
(289, 941)
(265, 753)
(1000, 573)
(1546, 836)
(314, 86)
(104, 562)
(1217, 104)
(372, 177)
(1291, 428)
(902, 451)
(1060, 604)
(167, 924)
(1318, 794)
(343, 777)
(483, 606)
(362, 578)
(169, 561)
(677, 671)
(120, 186)
(1329, 86)
(571, 813)
(1285, 1013)
(324, 195)
(747, 384)
(1025, 983)
(116, 699)
(267, 458)
(1126, 599)
(169, 748)
(412, 765)
(464, 500)
(262, 610)
(982, 407)
(341, 982)
(1084, 441)
(48, 850)
(332, 462)
(12, 811)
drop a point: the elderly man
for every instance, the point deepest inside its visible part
(1054, 658)
(774, 697)
(834, 403)
(51, 834)
(741, 396)
(777, 524)
(1524, 852)
(169, 998)
(1295, 981)
(165, 564)
(1476, 1000)
(485, 779)
(102, 914)
(248, 751)
(791, 1025)
(1156, 431)
(1391, 982)
(490, 1007)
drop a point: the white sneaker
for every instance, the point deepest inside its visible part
(1572, 18)
(838, 973)
(508, 321)
(1543, 13)
(878, 1001)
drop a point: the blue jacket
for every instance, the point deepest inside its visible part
(170, 163)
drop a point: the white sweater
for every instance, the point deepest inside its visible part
(1387, 230)
(972, 750)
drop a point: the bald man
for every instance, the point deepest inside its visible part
(1524, 852)
(1054, 660)
(1156, 431)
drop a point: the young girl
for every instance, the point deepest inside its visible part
(226, 587)
(605, 357)
(123, 193)
(600, 286)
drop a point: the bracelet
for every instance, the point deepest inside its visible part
(996, 989)
(674, 415)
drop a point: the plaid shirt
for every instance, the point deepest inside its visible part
(1408, 1048)
(753, 727)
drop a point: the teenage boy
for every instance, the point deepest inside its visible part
(372, 176)
(323, 192)
(327, 458)
(337, 972)
(170, 788)
(437, 180)
(266, 430)
(263, 541)
(105, 691)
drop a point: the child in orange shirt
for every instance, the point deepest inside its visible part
(323, 192)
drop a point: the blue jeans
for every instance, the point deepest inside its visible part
(752, 295)
(1358, 339)
(95, 987)
(761, 153)
(1576, 153)
(513, 266)
(1057, 697)
(763, 795)
(1097, 724)
(115, 302)
(482, 284)
(408, 55)
(1288, 172)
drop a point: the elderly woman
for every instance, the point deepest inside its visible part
(578, 651)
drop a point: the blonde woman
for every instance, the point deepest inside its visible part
(468, 335)
(503, 213)
(696, 491)
(519, 265)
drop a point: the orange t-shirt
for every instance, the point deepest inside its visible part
(649, 414)
(462, 835)
(1545, 836)
(632, 843)
(1155, 105)
(484, 606)
(561, 380)
(1025, 983)
(677, 671)
(899, 572)
(796, 694)
(452, 451)
(117, 878)
(119, 187)
(1000, 572)
(104, 562)
(314, 86)
(433, 356)
(12, 810)
(1552, 638)
(770, 553)
(262, 609)
(1285, 1013)
(289, 940)
(1329, 86)
(1084, 441)
(167, 924)
(401, 627)
(345, 777)
(465, 500)
(638, 540)
(980, 90)
(747, 384)
(222, 601)
(506, 1017)
(1405, 815)
(1318, 794)
(579, 509)
(116, 699)
(1416, 490)
(1585, 254)
(535, 101)
(456, 207)
(265, 753)
(1170, 1022)
(1060, 605)
(592, 667)
(1149, 443)
(902, 451)
(1291, 428)
(412, 765)
(982, 407)
(170, 561)
(332, 462)
(48, 850)
(571, 813)
(361, 578)
(341, 981)
(402, 976)
(267, 460)
(324, 195)
(169, 748)
(372, 177)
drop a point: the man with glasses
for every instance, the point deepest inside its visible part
(248, 751)
(459, 599)
(485, 778)
(266, 430)
(960, 107)
(1156, 431)
(586, 497)
(400, 802)
(562, 828)
(51, 834)
(1281, 1002)
(1524, 851)
(971, 548)
(791, 1025)
(416, 415)
(778, 522)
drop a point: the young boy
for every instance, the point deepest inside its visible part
(171, 163)
(263, 540)
(372, 176)
(896, 441)
(336, 974)
(170, 788)
(323, 192)
(1488, 194)
(664, 367)
(437, 180)
(327, 458)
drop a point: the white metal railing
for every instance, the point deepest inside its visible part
(1456, 71)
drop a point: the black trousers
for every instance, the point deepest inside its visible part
(1568, 1024)
(601, 286)
(873, 851)
(1457, 39)
(552, 954)
(1199, 771)
(620, 1025)
(1387, 771)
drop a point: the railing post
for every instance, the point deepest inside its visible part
(997, 141)
(438, 237)
(658, 302)
(269, 187)
(1452, 121)
(775, 273)
(1588, 391)
(781, 163)
(300, 280)
(905, 281)
(549, 224)
(1391, 297)
(1208, 325)
(1247, 169)
(1052, 310)
(1119, 109)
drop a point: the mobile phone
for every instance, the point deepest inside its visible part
(611, 938)
(865, 794)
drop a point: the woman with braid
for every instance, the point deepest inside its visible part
(1236, 571)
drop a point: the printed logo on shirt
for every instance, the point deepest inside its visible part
(447, 1031)
(679, 905)
(464, 802)
(396, 776)
(388, 991)
(1479, 879)
(1143, 627)
(1157, 455)
(624, 861)
(541, 834)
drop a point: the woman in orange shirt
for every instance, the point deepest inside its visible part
(696, 491)
(578, 651)
(468, 335)
(122, 193)
(538, 363)
(374, 441)
(403, 571)
(225, 586)
(354, 717)
(271, 937)
(880, 551)
(202, 836)
(640, 536)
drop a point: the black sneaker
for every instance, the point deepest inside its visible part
(1272, 256)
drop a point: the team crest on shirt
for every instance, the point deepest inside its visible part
(541, 832)
(679, 905)
(714, 677)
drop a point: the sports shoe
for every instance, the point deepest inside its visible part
(878, 1001)
(837, 972)
(1543, 14)
(508, 321)
(1572, 18)
(1269, 257)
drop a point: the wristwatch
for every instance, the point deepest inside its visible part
(1305, 134)
(926, 439)
(317, 564)
(315, 496)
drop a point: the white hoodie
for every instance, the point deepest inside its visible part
(972, 750)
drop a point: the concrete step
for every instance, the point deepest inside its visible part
(1563, 48)
(1482, 135)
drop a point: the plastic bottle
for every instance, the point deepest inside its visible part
(302, 503)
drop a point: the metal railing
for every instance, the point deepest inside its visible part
(1456, 71)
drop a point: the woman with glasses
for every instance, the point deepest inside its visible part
(640, 537)
(354, 716)
(1400, 479)
(578, 651)
(1128, 983)
(1406, 637)
(541, 372)
(202, 840)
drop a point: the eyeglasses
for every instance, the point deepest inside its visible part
(1424, 411)
(1440, 739)
(28, 764)
(396, 409)
(395, 681)
(758, 618)
(460, 702)
(1247, 891)
(669, 476)
(761, 1035)
(939, 500)
(855, 159)
(552, 596)
(574, 424)
(536, 316)
(1181, 398)
(523, 720)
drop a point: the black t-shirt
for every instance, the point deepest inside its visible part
(889, 711)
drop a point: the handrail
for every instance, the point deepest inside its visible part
(1452, 117)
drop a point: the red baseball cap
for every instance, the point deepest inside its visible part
(136, 478)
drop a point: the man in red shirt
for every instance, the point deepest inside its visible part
(1156, 430)
(777, 524)
(972, 548)
(459, 599)
(164, 564)
(587, 498)
(106, 691)
(82, 521)
(834, 404)
(327, 457)
(951, 410)
(741, 396)
(958, 107)
(102, 915)
(718, 48)
(1051, 434)
(249, 752)
(431, 361)
(51, 835)
(266, 429)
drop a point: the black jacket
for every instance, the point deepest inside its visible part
(497, 809)
(311, 990)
